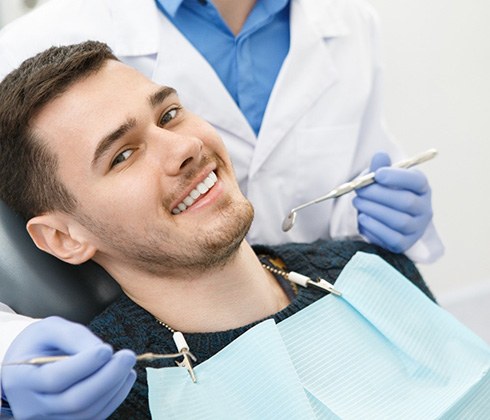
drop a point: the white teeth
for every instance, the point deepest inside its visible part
(208, 182)
(201, 188)
(188, 201)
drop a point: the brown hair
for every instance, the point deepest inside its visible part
(28, 170)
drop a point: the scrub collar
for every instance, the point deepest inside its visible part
(171, 6)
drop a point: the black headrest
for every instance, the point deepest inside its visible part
(36, 284)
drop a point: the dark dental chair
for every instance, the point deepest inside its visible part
(36, 284)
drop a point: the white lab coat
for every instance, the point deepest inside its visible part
(322, 124)
(11, 324)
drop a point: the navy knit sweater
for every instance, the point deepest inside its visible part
(126, 325)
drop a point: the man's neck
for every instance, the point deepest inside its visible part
(236, 294)
(234, 13)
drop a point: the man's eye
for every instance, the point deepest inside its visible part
(169, 116)
(121, 157)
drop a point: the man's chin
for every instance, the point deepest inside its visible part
(209, 245)
(221, 245)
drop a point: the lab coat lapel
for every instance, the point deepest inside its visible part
(197, 84)
(293, 94)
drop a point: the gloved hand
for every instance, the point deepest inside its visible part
(394, 211)
(91, 384)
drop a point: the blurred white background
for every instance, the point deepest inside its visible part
(437, 93)
(10, 9)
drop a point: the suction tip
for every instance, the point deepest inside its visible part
(288, 222)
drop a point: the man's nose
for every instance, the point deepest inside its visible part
(178, 151)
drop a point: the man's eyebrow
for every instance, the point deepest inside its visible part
(108, 140)
(160, 95)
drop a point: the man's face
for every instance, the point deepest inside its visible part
(154, 183)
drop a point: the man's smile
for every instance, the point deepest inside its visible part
(200, 189)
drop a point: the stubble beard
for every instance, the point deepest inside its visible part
(160, 254)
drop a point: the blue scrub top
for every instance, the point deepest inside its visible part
(247, 64)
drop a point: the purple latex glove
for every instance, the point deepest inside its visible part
(91, 384)
(395, 211)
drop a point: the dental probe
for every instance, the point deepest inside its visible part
(140, 357)
(356, 183)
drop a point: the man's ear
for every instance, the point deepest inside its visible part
(59, 235)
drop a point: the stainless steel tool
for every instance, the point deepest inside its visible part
(356, 183)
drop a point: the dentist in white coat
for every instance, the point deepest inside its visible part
(294, 89)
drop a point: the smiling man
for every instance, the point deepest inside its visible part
(141, 157)
(106, 165)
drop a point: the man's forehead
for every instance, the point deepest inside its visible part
(99, 92)
(113, 76)
(88, 104)
(75, 121)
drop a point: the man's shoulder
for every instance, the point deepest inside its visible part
(341, 250)
(359, 15)
(354, 20)
(312, 259)
(327, 258)
(57, 22)
(118, 324)
(362, 8)
(122, 24)
(341, 9)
